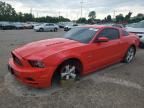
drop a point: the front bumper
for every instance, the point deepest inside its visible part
(35, 77)
(36, 29)
(66, 29)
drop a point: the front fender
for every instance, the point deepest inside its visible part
(57, 59)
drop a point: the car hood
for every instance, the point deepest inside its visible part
(131, 29)
(68, 26)
(45, 48)
(38, 26)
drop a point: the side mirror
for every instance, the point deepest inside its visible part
(102, 39)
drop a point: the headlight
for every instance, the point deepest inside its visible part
(36, 63)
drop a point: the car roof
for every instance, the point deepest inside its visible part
(100, 26)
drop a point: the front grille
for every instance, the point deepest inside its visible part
(16, 60)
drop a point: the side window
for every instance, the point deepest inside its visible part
(110, 33)
(47, 24)
(51, 24)
(125, 33)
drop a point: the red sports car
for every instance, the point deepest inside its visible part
(82, 50)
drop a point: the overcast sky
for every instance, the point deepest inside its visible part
(72, 8)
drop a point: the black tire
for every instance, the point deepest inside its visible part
(55, 29)
(58, 77)
(130, 54)
(141, 45)
(41, 29)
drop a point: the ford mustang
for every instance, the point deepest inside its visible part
(81, 51)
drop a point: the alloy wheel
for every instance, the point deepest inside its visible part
(130, 55)
(68, 72)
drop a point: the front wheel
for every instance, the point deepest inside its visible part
(41, 29)
(55, 29)
(67, 73)
(70, 71)
(141, 45)
(130, 55)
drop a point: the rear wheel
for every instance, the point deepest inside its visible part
(141, 45)
(41, 29)
(130, 55)
(55, 29)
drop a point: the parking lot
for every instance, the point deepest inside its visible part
(118, 86)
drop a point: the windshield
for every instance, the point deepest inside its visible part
(81, 34)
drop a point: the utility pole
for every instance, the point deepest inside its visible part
(37, 14)
(59, 15)
(81, 8)
(67, 15)
(30, 10)
(114, 14)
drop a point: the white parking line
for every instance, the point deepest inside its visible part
(117, 81)
(18, 89)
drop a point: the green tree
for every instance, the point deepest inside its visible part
(50, 19)
(109, 18)
(7, 12)
(92, 15)
(120, 18)
(82, 20)
(128, 16)
(140, 15)
(27, 17)
(137, 18)
(62, 19)
(20, 16)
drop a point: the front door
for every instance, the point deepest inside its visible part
(102, 54)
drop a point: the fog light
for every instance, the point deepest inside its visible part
(30, 79)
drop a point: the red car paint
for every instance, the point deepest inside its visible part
(53, 52)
